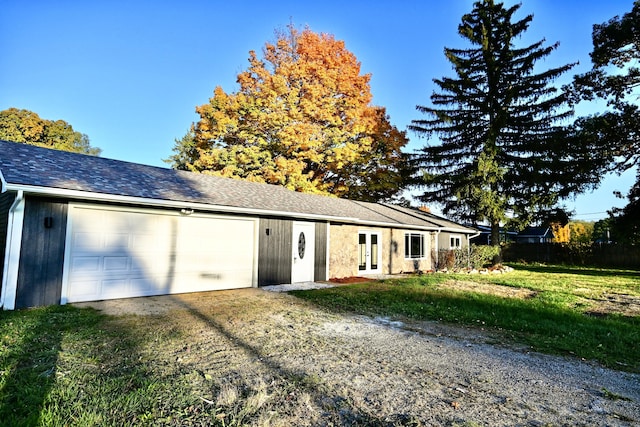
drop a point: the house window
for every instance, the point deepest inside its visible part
(414, 245)
(455, 242)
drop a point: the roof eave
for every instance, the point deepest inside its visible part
(460, 230)
(424, 216)
(176, 204)
(203, 207)
(393, 225)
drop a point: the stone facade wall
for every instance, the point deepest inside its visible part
(343, 252)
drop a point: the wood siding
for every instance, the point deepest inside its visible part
(320, 271)
(274, 251)
(42, 253)
(444, 240)
(6, 200)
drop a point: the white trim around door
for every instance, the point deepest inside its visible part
(369, 252)
(303, 252)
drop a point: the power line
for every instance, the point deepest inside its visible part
(590, 213)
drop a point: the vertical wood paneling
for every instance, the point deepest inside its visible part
(42, 253)
(6, 200)
(320, 272)
(274, 252)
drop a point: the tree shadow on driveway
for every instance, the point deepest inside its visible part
(331, 407)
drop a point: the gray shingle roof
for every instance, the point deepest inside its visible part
(33, 166)
(536, 232)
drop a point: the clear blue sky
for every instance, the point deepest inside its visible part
(130, 73)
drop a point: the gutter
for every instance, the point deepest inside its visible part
(472, 236)
(12, 253)
(393, 224)
(173, 204)
(437, 249)
(423, 217)
(469, 237)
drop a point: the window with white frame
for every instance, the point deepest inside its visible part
(455, 242)
(414, 245)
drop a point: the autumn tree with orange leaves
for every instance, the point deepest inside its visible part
(302, 118)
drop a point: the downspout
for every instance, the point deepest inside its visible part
(469, 237)
(437, 249)
(12, 253)
(327, 252)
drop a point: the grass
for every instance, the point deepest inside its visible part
(565, 311)
(66, 366)
(62, 365)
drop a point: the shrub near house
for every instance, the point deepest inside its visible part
(466, 259)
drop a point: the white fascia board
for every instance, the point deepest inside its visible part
(173, 204)
(460, 230)
(426, 218)
(394, 225)
(413, 227)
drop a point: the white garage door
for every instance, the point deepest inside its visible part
(128, 253)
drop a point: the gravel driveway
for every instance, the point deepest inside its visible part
(287, 362)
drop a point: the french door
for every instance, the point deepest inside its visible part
(369, 253)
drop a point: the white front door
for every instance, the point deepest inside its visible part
(302, 266)
(369, 252)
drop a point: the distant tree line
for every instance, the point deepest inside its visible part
(27, 127)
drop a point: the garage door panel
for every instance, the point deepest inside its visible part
(220, 258)
(119, 264)
(114, 287)
(119, 253)
(91, 217)
(197, 282)
(85, 241)
(84, 290)
(89, 265)
(145, 242)
(115, 241)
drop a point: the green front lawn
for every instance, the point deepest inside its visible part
(68, 366)
(587, 313)
(62, 365)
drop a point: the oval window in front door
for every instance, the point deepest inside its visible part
(301, 245)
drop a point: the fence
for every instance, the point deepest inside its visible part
(597, 254)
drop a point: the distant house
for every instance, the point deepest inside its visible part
(484, 236)
(82, 228)
(535, 235)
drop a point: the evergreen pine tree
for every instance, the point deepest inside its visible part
(501, 155)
